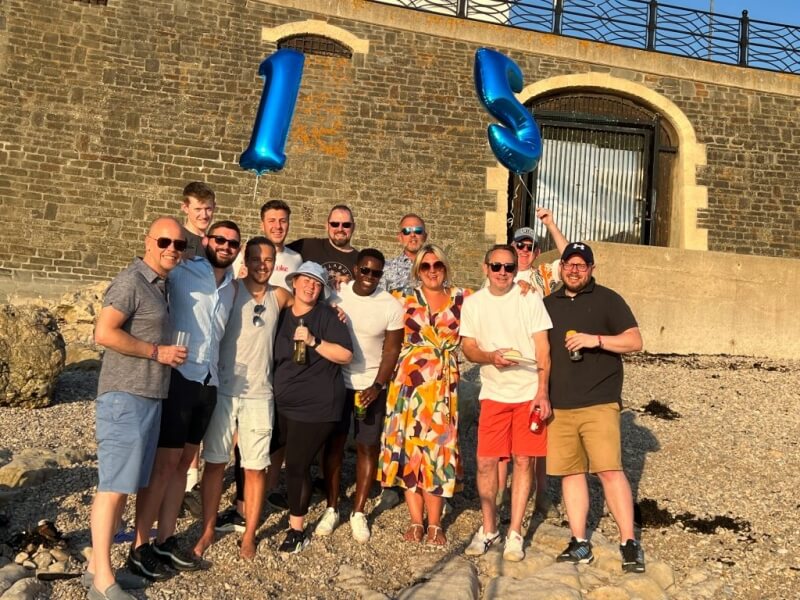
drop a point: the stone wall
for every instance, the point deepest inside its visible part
(107, 111)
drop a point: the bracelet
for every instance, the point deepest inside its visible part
(154, 353)
(599, 342)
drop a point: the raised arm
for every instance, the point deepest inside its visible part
(546, 217)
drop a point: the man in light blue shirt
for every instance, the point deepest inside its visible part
(397, 270)
(201, 294)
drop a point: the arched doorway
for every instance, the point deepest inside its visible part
(606, 170)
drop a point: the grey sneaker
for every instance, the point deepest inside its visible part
(577, 553)
(125, 579)
(114, 592)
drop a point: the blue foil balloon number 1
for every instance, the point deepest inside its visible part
(517, 143)
(282, 73)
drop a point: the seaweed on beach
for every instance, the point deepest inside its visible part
(660, 410)
(651, 515)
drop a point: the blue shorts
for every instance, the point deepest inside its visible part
(127, 435)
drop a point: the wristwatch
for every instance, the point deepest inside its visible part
(316, 341)
(380, 386)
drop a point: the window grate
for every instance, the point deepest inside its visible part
(316, 44)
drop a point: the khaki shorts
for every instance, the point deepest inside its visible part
(584, 440)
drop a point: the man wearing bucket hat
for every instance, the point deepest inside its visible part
(311, 345)
(585, 394)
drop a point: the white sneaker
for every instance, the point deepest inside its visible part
(481, 542)
(328, 522)
(359, 527)
(513, 547)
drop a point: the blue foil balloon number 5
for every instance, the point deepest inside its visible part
(517, 143)
(282, 73)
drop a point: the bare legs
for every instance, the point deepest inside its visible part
(106, 512)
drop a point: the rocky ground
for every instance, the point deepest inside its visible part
(717, 486)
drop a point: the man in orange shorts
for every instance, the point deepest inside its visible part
(586, 388)
(506, 333)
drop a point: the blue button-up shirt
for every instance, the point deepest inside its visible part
(200, 308)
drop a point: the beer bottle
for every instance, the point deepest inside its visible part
(299, 356)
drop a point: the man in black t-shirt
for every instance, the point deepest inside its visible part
(334, 253)
(592, 327)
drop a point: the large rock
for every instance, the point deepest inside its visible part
(34, 466)
(76, 313)
(457, 580)
(32, 354)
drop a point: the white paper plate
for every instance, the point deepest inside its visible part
(523, 360)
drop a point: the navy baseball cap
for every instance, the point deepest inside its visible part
(581, 249)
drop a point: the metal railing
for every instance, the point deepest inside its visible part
(643, 24)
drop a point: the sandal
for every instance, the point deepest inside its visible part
(436, 536)
(414, 533)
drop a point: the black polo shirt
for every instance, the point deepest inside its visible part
(597, 379)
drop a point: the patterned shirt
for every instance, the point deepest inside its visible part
(397, 273)
(544, 278)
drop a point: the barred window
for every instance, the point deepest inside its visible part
(316, 44)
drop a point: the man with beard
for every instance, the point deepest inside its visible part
(592, 327)
(201, 295)
(245, 401)
(334, 253)
(412, 235)
(375, 322)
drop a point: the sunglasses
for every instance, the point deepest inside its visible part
(342, 224)
(376, 273)
(579, 267)
(258, 309)
(507, 267)
(221, 241)
(164, 243)
(436, 266)
(524, 246)
(419, 230)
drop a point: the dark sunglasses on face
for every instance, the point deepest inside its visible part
(419, 230)
(437, 266)
(508, 267)
(221, 241)
(258, 309)
(376, 273)
(342, 224)
(164, 243)
(524, 246)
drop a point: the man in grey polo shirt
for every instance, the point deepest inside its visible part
(134, 328)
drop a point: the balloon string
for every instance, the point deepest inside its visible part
(255, 188)
(522, 181)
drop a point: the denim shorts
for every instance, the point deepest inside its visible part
(127, 435)
(252, 418)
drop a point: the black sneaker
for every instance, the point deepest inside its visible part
(145, 562)
(277, 501)
(171, 554)
(632, 557)
(294, 542)
(576, 553)
(230, 520)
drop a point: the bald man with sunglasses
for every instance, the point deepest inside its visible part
(412, 235)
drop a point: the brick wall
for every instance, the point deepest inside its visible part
(107, 111)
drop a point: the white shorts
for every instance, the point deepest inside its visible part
(252, 418)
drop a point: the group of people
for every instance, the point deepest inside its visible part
(274, 353)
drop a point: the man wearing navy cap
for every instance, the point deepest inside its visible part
(592, 327)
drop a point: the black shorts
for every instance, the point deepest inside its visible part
(367, 431)
(186, 412)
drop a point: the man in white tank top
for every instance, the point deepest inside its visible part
(244, 400)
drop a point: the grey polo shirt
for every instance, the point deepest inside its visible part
(138, 293)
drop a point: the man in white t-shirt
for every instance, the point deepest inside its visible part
(275, 215)
(496, 321)
(375, 322)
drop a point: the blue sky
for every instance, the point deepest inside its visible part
(777, 11)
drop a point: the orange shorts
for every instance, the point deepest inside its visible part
(503, 431)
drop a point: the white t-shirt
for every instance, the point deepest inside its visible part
(368, 320)
(286, 261)
(507, 321)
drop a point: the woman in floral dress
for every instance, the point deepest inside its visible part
(419, 449)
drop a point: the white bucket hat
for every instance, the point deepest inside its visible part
(315, 271)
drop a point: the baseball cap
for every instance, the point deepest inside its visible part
(581, 249)
(313, 270)
(525, 233)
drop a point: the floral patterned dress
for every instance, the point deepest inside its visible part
(419, 445)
